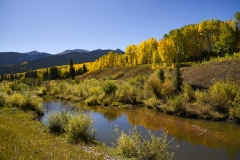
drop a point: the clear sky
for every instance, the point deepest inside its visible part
(53, 26)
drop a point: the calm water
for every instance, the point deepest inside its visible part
(220, 142)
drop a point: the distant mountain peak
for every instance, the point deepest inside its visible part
(74, 50)
(119, 50)
(35, 52)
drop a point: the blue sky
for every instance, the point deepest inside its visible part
(56, 25)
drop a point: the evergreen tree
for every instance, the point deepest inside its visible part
(161, 75)
(72, 69)
(35, 74)
(84, 69)
(178, 79)
(12, 77)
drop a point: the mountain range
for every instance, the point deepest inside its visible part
(14, 62)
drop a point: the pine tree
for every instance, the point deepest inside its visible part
(178, 80)
(161, 75)
(71, 69)
(84, 69)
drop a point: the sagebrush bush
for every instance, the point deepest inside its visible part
(134, 145)
(57, 122)
(117, 75)
(188, 93)
(201, 97)
(168, 89)
(176, 103)
(2, 99)
(80, 128)
(222, 95)
(154, 85)
(126, 93)
(92, 100)
(152, 102)
(109, 87)
(25, 102)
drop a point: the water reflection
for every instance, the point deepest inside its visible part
(221, 141)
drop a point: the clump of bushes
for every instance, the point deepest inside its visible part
(2, 99)
(25, 102)
(109, 87)
(117, 75)
(176, 103)
(78, 126)
(134, 145)
(126, 93)
(57, 122)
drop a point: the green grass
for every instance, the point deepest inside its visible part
(25, 138)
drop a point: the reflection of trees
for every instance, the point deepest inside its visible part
(110, 116)
(219, 134)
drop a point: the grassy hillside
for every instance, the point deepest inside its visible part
(198, 75)
(129, 71)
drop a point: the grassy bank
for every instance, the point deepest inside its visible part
(25, 138)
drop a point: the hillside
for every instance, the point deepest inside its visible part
(55, 60)
(201, 76)
(9, 58)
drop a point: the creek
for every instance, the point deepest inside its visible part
(198, 139)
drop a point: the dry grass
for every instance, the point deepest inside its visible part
(128, 71)
(205, 74)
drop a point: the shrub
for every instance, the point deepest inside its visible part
(42, 91)
(153, 84)
(92, 100)
(167, 89)
(126, 93)
(188, 93)
(176, 103)
(117, 75)
(25, 102)
(109, 87)
(135, 145)
(201, 97)
(2, 99)
(152, 102)
(80, 128)
(57, 122)
(108, 100)
(222, 95)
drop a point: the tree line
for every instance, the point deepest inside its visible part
(194, 42)
(53, 73)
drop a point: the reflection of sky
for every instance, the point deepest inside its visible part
(105, 125)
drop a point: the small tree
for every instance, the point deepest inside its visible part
(84, 69)
(72, 69)
(178, 80)
(160, 75)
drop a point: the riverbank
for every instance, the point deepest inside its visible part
(24, 137)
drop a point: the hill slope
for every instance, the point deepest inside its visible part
(201, 76)
(9, 58)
